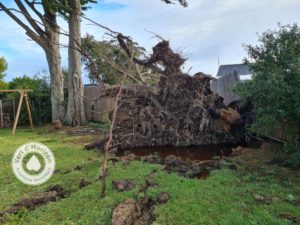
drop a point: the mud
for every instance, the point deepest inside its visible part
(134, 212)
(190, 162)
(122, 185)
(192, 153)
(141, 211)
(51, 194)
(83, 183)
(138, 212)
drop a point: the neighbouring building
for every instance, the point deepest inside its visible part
(227, 77)
(243, 70)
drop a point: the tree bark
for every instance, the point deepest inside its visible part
(57, 79)
(51, 48)
(75, 110)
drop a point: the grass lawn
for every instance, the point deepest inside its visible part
(226, 197)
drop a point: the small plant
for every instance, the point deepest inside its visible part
(103, 125)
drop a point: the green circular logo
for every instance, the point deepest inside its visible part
(33, 163)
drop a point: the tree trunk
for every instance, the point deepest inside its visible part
(48, 39)
(56, 75)
(75, 111)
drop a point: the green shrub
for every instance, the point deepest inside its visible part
(275, 88)
(39, 98)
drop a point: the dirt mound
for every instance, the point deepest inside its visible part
(51, 194)
(122, 185)
(141, 211)
(83, 183)
(132, 212)
(137, 212)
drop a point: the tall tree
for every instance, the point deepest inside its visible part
(75, 110)
(45, 33)
(72, 11)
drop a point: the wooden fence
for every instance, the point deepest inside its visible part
(223, 87)
(97, 108)
(279, 133)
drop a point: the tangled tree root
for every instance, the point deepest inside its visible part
(182, 111)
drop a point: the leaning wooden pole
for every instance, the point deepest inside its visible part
(18, 112)
(28, 110)
(23, 93)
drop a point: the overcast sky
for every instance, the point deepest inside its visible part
(204, 31)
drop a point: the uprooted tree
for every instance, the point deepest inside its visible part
(182, 112)
(107, 61)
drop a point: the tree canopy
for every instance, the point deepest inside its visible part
(3, 67)
(275, 88)
(109, 60)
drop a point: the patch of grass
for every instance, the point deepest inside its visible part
(103, 125)
(67, 157)
(226, 197)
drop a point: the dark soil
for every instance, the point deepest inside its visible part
(51, 194)
(83, 183)
(190, 162)
(134, 212)
(192, 153)
(141, 211)
(122, 185)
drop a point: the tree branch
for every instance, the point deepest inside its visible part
(184, 3)
(30, 20)
(29, 32)
(110, 136)
(31, 5)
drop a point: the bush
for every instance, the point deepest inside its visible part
(275, 88)
(39, 98)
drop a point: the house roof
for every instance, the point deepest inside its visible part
(242, 69)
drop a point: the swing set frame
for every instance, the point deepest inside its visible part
(23, 94)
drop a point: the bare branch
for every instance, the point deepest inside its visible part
(29, 32)
(110, 137)
(30, 20)
(32, 6)
(184, 3)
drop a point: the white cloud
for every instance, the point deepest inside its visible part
(204, 31)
